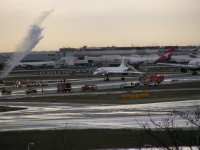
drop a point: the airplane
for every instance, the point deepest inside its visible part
(36, 64)
(144, 59)
(193, 65)
(193, 54)
(151, 58)
(4, 59)
(123, 69)
(185, 58)
(166, 57)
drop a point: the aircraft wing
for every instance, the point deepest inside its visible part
(134, 72)
(124, 72)
(176, 65)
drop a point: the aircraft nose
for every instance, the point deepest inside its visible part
(95, 73)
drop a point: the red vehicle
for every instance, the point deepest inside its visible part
(151, 79)
(89, 87)
(17, 84)
(64, 87)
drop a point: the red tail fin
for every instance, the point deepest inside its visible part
(166, 57)
(170, 50)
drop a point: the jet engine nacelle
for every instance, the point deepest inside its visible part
(183, 70)
(124, 74)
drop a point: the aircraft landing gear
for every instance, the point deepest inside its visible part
(107, 78)
(122, 78)
(194, 73)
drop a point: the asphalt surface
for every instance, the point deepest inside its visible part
(114, 83)
(77, 116)
(40, 115)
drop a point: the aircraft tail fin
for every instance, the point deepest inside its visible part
(6, 58)
(123, 63)
(170, 50)
(166, 57)
(193, 54)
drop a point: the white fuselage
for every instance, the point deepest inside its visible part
(45, 63)
(181, 58)
(107, 70)
(194, 63)
(137, 59)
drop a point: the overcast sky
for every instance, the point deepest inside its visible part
(76, 23)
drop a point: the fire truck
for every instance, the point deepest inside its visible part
(64, 87)
(89, 87)
(151, 79)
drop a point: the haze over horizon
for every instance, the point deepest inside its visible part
(76, 23)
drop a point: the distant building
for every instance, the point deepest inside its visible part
(42, 56)
(99, 56)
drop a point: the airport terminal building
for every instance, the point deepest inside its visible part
(111, 56)
(99, 56)
(87, 59)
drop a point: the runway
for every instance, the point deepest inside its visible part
(40, 116)
(81, 116)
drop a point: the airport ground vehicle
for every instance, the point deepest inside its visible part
(2, 84)
(36, 83)
(29, 83)
(44, 83)
(17, 84)
(127, 85)
(131, 85)
(89, 87)
(151, 79)
(31, 91)
(64, 87)
(6, 90)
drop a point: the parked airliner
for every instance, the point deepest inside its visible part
(193, 53)
(44, 64)
(186, 58)
(166, 57)
(150, 58)
(193, 65)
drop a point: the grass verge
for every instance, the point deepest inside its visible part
(88, 139)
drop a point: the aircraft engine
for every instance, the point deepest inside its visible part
(183, 70)
(124, 74)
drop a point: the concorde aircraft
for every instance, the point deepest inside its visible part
(123, 69)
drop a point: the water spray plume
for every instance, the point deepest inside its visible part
(33, 37)
(43, 16)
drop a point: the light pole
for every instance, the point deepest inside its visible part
(29, 145)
